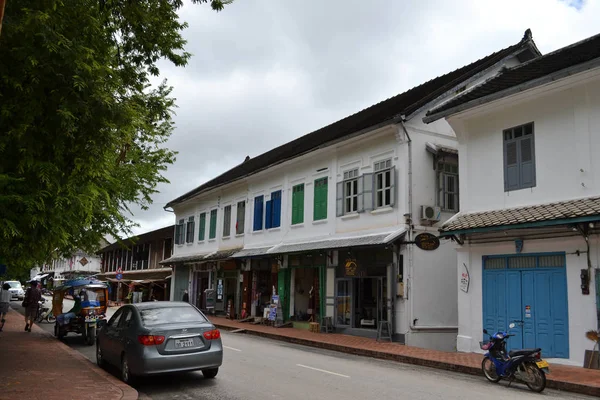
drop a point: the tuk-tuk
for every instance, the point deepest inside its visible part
(93, 297)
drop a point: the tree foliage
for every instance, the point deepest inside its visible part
(82, 131)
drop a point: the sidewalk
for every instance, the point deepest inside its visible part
(561, 377)
(35, 365)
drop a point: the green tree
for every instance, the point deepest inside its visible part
(82, 131)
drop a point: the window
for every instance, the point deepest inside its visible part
(212, 233)
(258, 213)
(298, 204)
(170, 315)
(351, 191)
(519, 157)
(241, 217)
(189, 234)
(179, 232)
(448, 185)
(384, 176)
(320, 201)
(273, 211)
(202, 226)
(227, 221)
(114, 321)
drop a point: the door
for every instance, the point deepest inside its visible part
(181, 282)
(108, 337)
(283, 290)
(532, 289)
(343, 302)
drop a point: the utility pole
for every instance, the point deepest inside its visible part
(2, 4)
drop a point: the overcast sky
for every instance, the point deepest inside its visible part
(266, 72)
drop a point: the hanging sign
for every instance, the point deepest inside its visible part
(427, 241)
(527, 311)
(350, 267)
(465, 279)
(220, 289)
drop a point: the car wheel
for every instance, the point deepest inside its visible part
(125, 372)
(99, 357)
(210, 373)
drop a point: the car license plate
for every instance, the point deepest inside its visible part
(183, 343)
(542, 364)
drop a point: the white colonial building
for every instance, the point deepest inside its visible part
(527, 232)
(328, 221)
(59, 270)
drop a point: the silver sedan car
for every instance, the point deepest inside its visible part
(159, 337)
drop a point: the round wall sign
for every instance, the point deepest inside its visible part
(427, 241)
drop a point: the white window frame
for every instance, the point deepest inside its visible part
(443, 192)
(383, 168)
(350, 183)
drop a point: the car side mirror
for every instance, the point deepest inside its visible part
(485, 331)
(102, 323)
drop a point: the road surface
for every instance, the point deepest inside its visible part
(258, 369)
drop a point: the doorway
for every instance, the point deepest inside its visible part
(360, 302)
(532, 289)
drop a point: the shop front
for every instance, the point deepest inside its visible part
(228, 288)
(202, 283)
(361, 290)
(263, 281)
(302, 287)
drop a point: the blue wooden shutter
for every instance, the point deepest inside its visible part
(392, 187)
(527, 159)
(367, 192)
(339, 204)
(511, 166)
(258, 213)
(269, 214)
(276, 199)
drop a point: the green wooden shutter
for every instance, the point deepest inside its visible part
(320, 201)
(298, 204)
(202, 226)
(213, 225)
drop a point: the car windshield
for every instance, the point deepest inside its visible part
(15, 285)
(169, 315)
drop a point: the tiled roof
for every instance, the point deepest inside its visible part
(251, 252)
(587, 207)
(339, 243)
(402, 104)
(182, 259)
(540, 67)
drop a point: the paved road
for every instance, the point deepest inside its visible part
(259, 369)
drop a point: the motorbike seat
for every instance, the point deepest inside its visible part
(523, 352)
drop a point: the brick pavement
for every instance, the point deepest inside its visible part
(562, 377)
(35, 365)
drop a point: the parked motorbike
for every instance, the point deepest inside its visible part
(524, 365)
(44, 313)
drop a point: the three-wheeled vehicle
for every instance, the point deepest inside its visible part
(93, 296)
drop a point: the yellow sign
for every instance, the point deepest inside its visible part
(351, 267)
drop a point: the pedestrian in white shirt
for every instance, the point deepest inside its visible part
(5, 297)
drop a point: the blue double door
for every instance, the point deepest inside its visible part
(533, 289)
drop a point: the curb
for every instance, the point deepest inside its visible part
(552, 384)
(128, 393)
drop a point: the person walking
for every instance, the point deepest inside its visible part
(5, 297)
(30, 302)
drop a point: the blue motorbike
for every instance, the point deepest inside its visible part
(524, 365)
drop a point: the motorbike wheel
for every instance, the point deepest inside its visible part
(489, 370)
(51, 318)
(537, 376)
(91, 336)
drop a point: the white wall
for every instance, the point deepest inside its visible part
(566, 143)
(582, 308)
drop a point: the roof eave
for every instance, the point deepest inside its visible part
(538, 224)
(555, 76)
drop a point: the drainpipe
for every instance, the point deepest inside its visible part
(414, 320)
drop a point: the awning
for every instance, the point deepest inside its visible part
(259, 251)
(184, 259)
(153, 273)
(221, 255)
(534, 216)
(437, 149)
(39, 277)
(337, 243)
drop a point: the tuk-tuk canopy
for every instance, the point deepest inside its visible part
(89, 282)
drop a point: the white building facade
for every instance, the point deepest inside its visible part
(527, 232)
(328, 222)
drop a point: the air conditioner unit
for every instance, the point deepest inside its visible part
(431, 213)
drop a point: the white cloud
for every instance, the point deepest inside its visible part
(264, 73)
